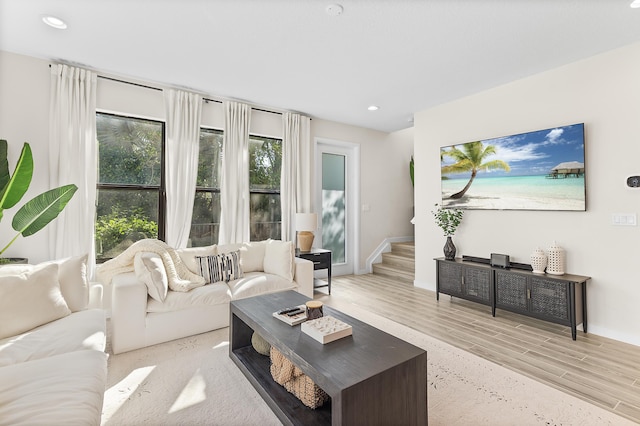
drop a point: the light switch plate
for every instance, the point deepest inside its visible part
(624, 219)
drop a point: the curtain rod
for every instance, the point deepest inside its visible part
(160, 90)
(130, 82)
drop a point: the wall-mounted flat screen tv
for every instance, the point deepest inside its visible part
(541, 170)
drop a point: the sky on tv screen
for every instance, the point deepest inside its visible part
(517, 172)
(533, 153)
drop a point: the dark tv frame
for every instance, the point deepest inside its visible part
(534, 181)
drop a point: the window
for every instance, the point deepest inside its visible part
(131, 190)
(130, 199)
(265, 162)
(205, 223)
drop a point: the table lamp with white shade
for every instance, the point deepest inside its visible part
(306, 223)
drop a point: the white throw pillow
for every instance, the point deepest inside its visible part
(188, 256)
(72, 277)
(74, 283)
(150, 270)
(228, 248)
(278, 258)
(30, 299)
(252, 256)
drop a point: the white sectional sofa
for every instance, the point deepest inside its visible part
(145, 312)
(53, 368)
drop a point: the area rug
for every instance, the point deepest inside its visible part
(192, 381)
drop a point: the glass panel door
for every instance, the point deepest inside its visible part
(334, 225)
(337, 200)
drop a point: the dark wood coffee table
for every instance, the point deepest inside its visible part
(372, 377)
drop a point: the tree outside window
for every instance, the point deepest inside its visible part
(131, 194)
(130, 183)
(265, 163)
(205, 223)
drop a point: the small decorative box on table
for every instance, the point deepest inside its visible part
(326, 329)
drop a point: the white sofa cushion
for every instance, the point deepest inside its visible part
(72, 276)
(150, 270)
(256, 283)
(30, 299)
(74, 282)
(251, 254)
(188, 255)
(278, 258)
(64, 389)
(208, 295)
(83, 330)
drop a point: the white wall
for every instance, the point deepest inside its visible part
(604, 93)
(24, 116)
(385, 185)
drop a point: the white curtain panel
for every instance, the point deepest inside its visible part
(234, 188)
(296, 172)
(73, 151)
(183, 112)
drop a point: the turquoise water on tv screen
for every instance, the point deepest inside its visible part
(536, 187)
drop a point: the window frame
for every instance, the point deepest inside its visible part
(208, 189)
(161, 188)
(267, 191)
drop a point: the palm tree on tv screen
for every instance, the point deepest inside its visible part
(471, 158)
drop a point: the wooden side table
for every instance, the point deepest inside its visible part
(321, 259)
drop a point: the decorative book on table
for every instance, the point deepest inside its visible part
(283, 315)
(326, 329)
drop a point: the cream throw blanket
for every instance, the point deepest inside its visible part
(180, 278)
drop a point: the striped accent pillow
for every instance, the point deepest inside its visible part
(222, 267)
(209, 268)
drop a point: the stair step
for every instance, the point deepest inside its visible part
(399, 264)
(407, 248)
(401, 261)
(391, 272)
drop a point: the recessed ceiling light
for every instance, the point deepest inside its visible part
(334, 10)
(635, 4)
(54, 22)
(373, 108)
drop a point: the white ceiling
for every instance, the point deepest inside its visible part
(402, 55)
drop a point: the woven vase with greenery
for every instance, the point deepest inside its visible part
(448, 219)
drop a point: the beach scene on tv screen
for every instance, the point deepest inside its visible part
(540, 170)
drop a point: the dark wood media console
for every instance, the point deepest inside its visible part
(560, 299)
(373, 378)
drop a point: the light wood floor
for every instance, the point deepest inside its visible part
(601, 371)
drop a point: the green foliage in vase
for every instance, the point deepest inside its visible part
(448, 219)
(36, 213)
(411, 168)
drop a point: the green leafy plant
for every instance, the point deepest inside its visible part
(36, 213)
(117, 226)
(411, 168)
(447, 219)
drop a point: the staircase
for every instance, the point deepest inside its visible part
(398, 264)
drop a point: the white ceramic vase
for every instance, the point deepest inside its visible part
(538, 261)
(556, 260)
